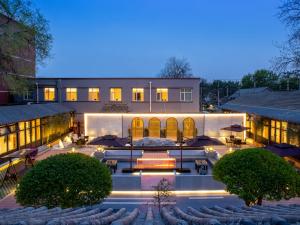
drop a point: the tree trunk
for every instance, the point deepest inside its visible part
(259, 201)
(247, 203)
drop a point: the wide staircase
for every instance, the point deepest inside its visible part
(94, 215)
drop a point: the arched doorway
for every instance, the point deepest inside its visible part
(154, 127)
(188, 128)
(137, 128)
(171, 129)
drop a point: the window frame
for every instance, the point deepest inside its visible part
(135, 94)
(159, 92)
(113, 94)
(75, 90)
(98, 94)
(54, 94)
(185, 92)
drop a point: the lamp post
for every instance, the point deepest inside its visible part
(181, 142)
(131, 149)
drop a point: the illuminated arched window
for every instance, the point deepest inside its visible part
(171, 128)
(137, 128)
(188, 128)
(154, 128)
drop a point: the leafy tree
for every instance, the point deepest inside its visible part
(209, 91)
(257, 174)
(289, 59)
(65, 180)
(260, 78)
(176, 68)
(24, 33)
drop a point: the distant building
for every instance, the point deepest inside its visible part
(22, 65)
(273, 117)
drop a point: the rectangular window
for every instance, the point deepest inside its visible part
(49, 94)
(273, 130)
(12, 141)
(284, 132)
(71, 94)
(265, 133)
(162, 94)
(186, 94)
(138, 94)
(116, 94)
(94, 94)
(22, 138)
(27, 96)
(3, 144)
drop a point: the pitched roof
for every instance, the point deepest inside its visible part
(280, 105)
(247, 91)
(17, 113)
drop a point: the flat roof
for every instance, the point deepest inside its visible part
(118, 78)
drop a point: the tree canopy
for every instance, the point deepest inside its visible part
(256, 174)
(289, 59)
(65, 180)
(260, 78)
(24, 33)
(176, 68)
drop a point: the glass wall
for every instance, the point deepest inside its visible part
(267, 131)
(28, 134)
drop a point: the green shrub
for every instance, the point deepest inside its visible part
(256, 174)
(65, 180)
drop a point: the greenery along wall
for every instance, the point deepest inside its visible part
(33, 133)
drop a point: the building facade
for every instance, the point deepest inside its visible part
(121, 95)
(17, 61)
(272, 117)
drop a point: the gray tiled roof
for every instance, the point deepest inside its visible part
(247, 91)
(232, 214)
(276, 105)
(17, 113)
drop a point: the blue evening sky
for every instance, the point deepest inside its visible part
(222, 39)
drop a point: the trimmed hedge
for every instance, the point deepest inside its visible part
(65, 180)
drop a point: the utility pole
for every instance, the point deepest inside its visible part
(201, 97)
(181, 142)
(218, 94)
(227, 91)
(288, 83)
(254, 82)
(131, 149)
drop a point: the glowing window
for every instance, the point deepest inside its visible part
(186, 94)
(94, 94)
(71, 94)
(162, 94)
(3, 144)
(49, 94)
(116, 94)
(138, 94)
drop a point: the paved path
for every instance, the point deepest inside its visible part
(130, 202)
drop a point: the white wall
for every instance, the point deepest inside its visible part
(99, 124)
